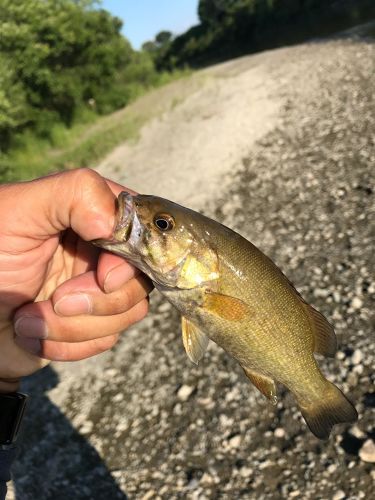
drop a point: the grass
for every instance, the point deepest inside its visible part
(87, 142)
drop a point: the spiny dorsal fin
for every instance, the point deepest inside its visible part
(264, 384)
(195, 341)
(225, 306)
(324, 334)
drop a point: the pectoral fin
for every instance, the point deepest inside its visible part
(229, 308)
(264, 384)
(195, 341)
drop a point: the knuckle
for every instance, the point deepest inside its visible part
(142, 310)
(104, 343)
(88, 180)
(87, 175)
(126, 300)
(62, 353)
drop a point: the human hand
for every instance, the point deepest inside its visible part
(60, 297)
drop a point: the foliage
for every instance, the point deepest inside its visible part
(232, 27)
(158, 48)
(90, 139)
(14, 111)
(62, 64)
(58, 59)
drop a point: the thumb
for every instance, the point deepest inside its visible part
(80, 199)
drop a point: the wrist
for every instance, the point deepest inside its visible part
(9, 385)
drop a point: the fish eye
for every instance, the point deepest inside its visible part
(164, 222)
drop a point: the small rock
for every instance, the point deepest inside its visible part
(233, 395)
(225, 422)
(358, 369)
(164, 307)
(164, 490)
(357, 357)
(356, 303)
(264, 465)
(207, 403)
(206, 479)
(339, 495)
(192, 484)
(294, 494)
(352, 379)
(246, 471)
(321, 292)
(279, 432)
(336, 297)
(86, 427)
(185, 391)
(150, 494)
(235, 441)
(331, 468)
(367, 452)
(356, 432)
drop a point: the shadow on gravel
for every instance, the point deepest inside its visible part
(54, 459)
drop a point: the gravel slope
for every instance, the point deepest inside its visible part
(293, 172)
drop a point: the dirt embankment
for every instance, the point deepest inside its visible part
(281, 147)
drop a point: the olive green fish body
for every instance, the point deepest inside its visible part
(276, 345)
(227, 290)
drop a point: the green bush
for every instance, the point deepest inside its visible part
(64, 55)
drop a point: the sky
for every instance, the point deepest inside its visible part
(143, 19)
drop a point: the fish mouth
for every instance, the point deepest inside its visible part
(124, 222)
(124, 217)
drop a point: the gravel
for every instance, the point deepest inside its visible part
(143, 422)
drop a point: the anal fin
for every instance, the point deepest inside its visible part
(195, 341)
(324, 335)
(263, 383)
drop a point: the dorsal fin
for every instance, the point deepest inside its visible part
(325, 341)
(324, 335)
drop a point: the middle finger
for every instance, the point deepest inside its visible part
(51, 326)
(85, 297)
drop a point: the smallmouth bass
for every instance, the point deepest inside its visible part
(228, 291)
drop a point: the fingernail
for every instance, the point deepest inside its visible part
(31, 326)
(31, 345)
(118, 276)
(73, 304)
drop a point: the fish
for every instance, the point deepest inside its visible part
(230, 292)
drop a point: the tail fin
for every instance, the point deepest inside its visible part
(332, 408)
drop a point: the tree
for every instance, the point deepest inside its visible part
(62, 53)
(163, 38)
(158, 48)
